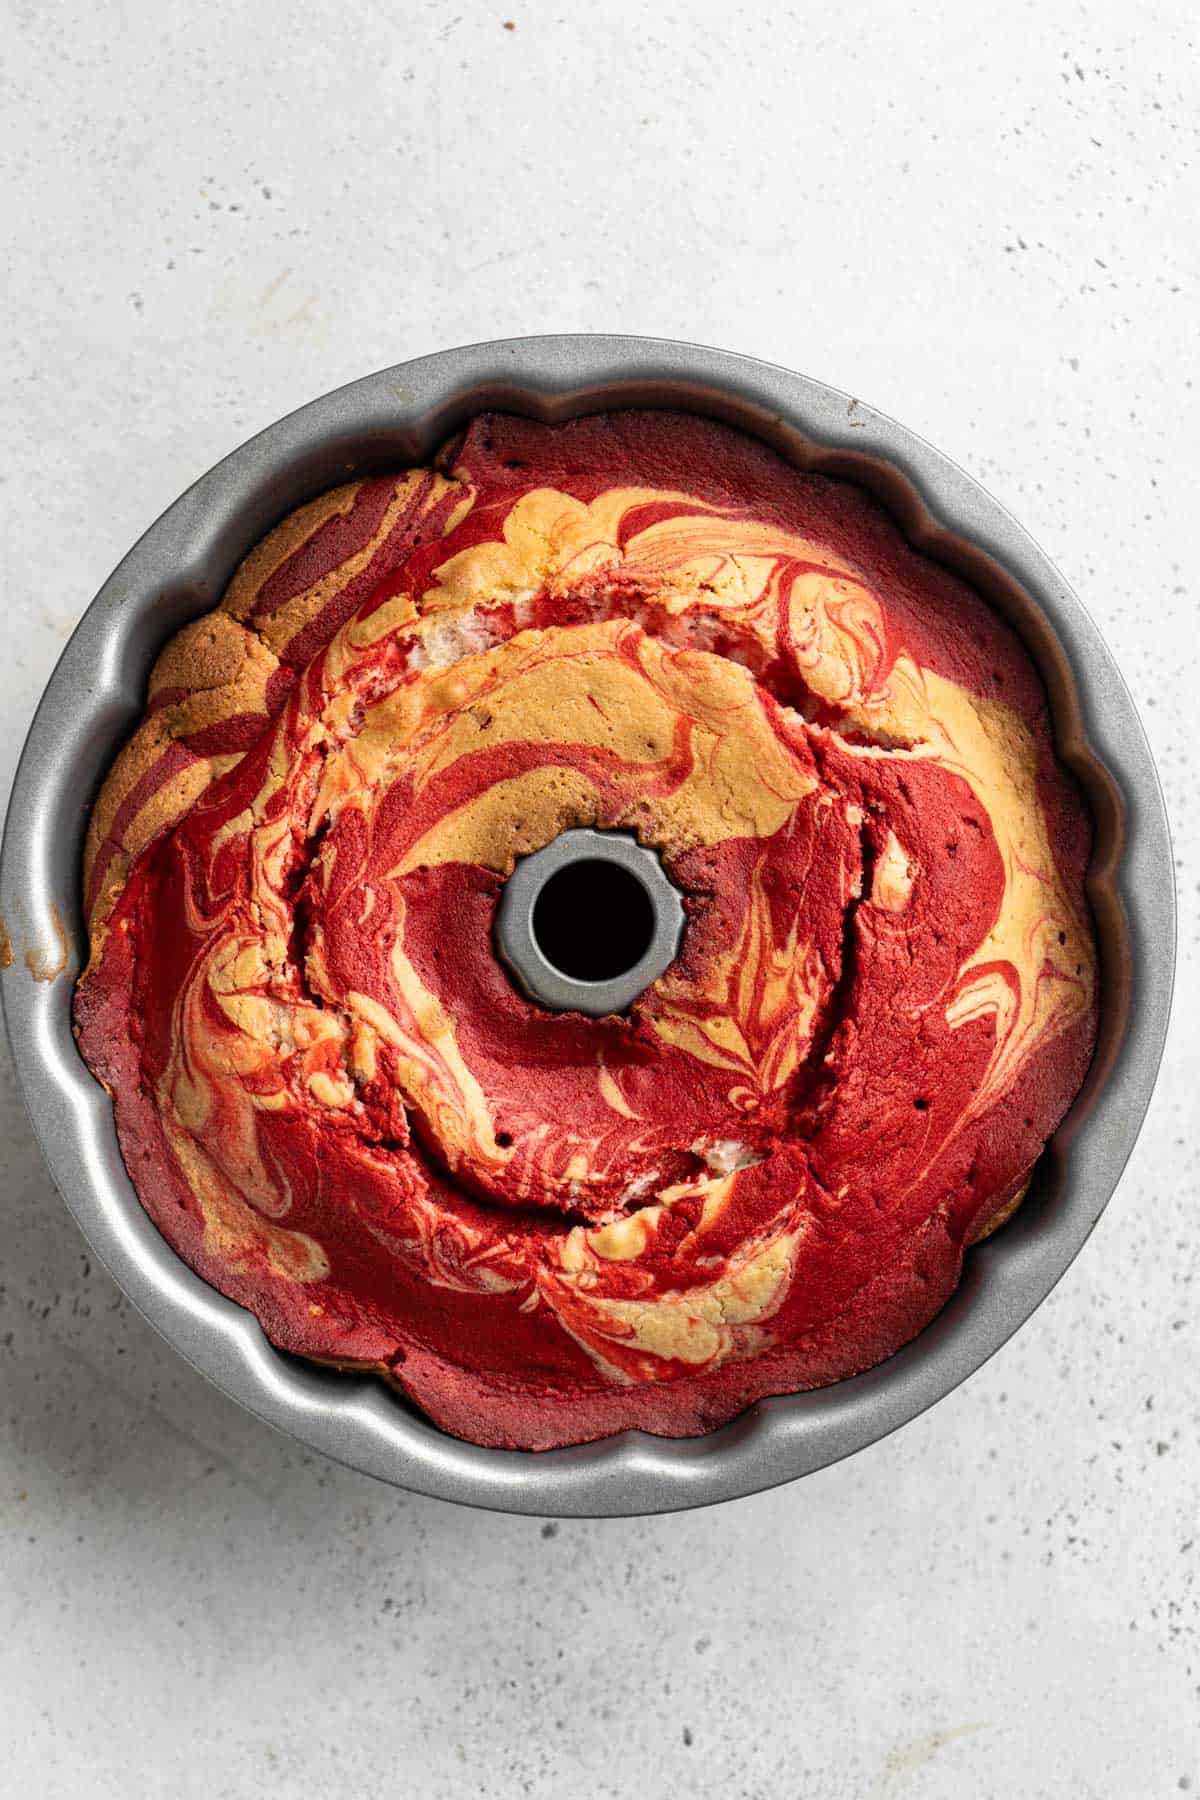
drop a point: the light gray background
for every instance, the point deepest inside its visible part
(983, 225)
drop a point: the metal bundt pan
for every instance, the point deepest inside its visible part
(180, 568)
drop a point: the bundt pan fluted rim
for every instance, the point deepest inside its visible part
(398, 417)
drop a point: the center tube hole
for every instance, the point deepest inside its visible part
(593, 920)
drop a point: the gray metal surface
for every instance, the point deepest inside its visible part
(517, 940)
(178, 570)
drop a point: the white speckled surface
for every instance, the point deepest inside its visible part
(986, 228)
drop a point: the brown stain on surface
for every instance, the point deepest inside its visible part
(906, 1759)
(6, 949)
(43, 964)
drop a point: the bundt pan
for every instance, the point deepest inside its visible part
(398, 417)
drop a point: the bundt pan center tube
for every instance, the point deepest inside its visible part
(588, 922)
(617, 920)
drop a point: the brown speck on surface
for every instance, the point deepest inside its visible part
(907, 1758)
(44, 964)
(510, 24)
(6, 949)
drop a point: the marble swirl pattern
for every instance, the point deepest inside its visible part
(544, 1228)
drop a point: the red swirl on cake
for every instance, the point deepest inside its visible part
(334, 1102)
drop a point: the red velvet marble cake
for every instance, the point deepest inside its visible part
(340, 1109)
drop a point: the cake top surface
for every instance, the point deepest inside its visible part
(337, 1104)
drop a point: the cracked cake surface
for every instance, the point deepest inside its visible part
(545, 1228)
